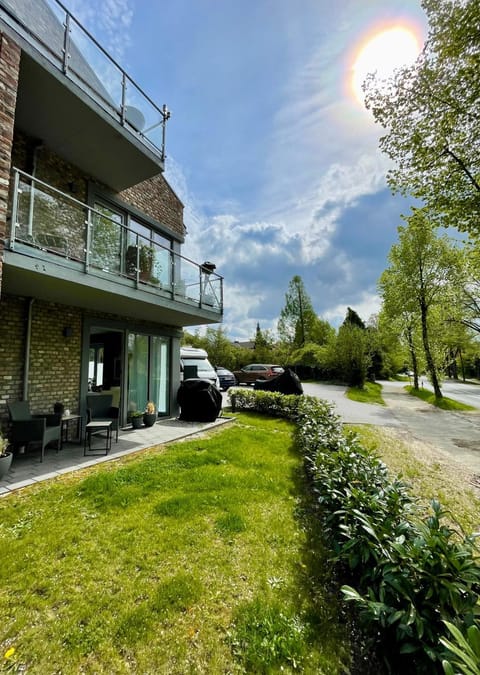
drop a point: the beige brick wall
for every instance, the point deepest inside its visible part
(156, 198)
(54, 359)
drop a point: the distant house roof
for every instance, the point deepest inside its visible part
(246, 344)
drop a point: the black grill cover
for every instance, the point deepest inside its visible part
(285, 383)
(199, 400)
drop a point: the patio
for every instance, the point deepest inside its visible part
(27, 469)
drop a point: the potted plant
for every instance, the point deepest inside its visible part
(5, 456)
(137, 419)
(150, 415)
(145, 261)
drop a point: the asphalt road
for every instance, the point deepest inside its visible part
(456, 433)
(466, 392)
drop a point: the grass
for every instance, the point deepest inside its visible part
(198, 557)
(428, 476)
(444, 403)
(370, 393)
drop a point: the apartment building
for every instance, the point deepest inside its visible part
(94, 290)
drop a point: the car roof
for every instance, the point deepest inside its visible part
(264, 365)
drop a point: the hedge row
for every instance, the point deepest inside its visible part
(414, 580)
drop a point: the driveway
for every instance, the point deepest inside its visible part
(455, 433)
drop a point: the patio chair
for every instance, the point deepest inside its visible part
(27, 428)
(100, 409)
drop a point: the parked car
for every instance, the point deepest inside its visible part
(226, 377)
(257, 371)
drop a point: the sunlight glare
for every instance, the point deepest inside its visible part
(382, 54)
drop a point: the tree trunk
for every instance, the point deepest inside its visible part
(462, 364)
(428, 354)
(413, 355)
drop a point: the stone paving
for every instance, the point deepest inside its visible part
(27, 469)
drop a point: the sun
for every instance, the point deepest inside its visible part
(383, 53)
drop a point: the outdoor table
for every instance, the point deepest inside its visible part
(94, 429)
(65, 423)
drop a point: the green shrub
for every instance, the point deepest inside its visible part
(411, 578)
(463, 652)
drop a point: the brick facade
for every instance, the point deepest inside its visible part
(54, 364)
(55, 360)
(55, 356)
(9, 67)
(156, 198)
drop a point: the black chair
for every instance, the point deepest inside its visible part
(100, 409)
(27, 428)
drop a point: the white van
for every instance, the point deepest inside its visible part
(191, 356)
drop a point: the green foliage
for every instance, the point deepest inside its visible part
(408, 574)
(297, 317)
(371, 393)
(352, 319)
(419, 287)
(463, 651)
(433, 136)
(444, 403)
(312, 355)
(144, 564)
(351, 354)
(266, 638)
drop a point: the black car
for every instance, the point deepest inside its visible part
(226, 378)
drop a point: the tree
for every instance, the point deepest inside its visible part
(423, 271)
(432, 119)
(397, 357)
(353, 319)
(297, 318)
(351, 354)
(215, 342)
(264, 351)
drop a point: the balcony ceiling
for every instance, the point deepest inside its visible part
(54, 110)
(68, 285)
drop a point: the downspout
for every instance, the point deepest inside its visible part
(28, 340)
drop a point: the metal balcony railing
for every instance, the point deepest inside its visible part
(67, 45)
(56, 224)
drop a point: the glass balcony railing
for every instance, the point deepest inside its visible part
(57, 224)
(66, 44)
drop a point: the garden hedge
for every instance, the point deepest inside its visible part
(413, 580)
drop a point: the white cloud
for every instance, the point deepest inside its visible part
(369, 304)
(108, 21)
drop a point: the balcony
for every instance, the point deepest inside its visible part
(77, 100)
(62, 250)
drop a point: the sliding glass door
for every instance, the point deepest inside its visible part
(148, 370)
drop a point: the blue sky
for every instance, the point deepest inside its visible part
(276, 162)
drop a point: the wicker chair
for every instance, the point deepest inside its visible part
(27, 428)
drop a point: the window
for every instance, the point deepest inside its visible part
(121, 242)
(106, 238)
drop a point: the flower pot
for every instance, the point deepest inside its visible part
(5, 462)
(149, 419)
(137, 422)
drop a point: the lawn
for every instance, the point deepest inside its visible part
(197, 557)
(444, 403)
(430, 475)
(371, 392)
